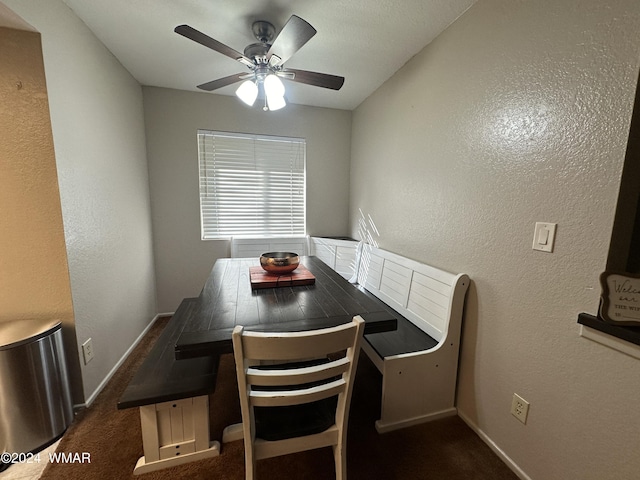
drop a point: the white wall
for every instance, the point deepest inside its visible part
(98, 133)
(172, 119)
(517, 113)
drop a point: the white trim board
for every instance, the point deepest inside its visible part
(610, 341)
(87, 403)
(497, 450)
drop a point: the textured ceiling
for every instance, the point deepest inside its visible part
(365, 42)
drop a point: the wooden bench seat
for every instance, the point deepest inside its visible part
(173, 396)
(419, 360)
(407, 338)
(162, 378)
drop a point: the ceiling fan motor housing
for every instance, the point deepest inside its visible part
(257, 52)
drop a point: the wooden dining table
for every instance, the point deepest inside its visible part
(228, 299)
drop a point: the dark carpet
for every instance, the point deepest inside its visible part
(443, 449)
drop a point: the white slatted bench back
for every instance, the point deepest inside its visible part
(423, 294)
(370, 269)
(341, 255)
(254, 247)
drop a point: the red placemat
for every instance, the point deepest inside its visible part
(263, 279)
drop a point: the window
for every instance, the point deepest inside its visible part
(251, 185)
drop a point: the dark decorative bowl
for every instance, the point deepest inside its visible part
(279, 263)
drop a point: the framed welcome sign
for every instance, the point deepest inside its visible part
(620, 298)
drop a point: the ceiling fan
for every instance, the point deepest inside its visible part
(265, 61)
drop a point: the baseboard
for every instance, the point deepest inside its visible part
(112, 372)
(382, 427)
(497, 450)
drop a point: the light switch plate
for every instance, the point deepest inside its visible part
(544, 236)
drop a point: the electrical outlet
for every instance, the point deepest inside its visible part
(519, 408)
(87, 351)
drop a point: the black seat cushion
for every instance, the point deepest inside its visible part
(278, 423)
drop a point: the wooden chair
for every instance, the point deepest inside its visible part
(290, 403)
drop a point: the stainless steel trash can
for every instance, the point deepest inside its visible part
(35, 397)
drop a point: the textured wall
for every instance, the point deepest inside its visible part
(34, 275)
(517, 113)
(98, 131)
(172, 119)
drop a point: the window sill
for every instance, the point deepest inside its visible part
(623, 339)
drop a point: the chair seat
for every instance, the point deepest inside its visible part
(279, 423)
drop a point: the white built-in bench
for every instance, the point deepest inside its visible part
(418, 361)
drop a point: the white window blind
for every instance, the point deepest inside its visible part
(251, 185)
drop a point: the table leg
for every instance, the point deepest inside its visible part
(232, 433)
(174, 433)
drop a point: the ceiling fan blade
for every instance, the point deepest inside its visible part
(202, 39)
(324, 80)
(295, 33)
(222, 82)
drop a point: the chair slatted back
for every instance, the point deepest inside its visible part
(324, 380)
(314, 370)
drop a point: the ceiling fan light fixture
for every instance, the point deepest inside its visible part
(275, 102)
(247, 92)
(273, 86)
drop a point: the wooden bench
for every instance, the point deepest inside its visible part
(173, 397)
(419, 360)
